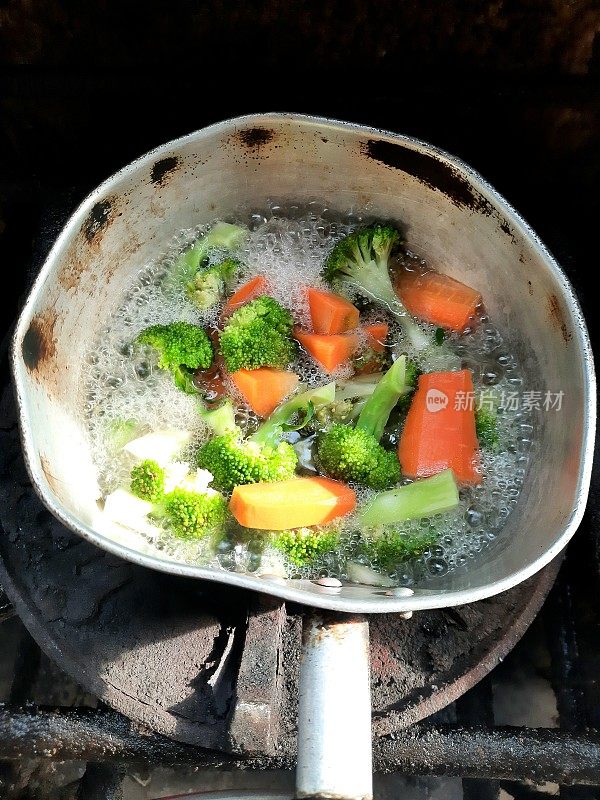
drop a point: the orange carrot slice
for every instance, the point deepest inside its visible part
(376, 335)
(249, 291)
(439, 431)
(329, 351)
(437, 298)
(331, 313)
(264, 388)
(291, 504)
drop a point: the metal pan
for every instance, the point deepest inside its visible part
(464, 226)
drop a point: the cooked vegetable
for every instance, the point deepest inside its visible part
(396, 382)
(258, 334)
(389, 547)
(222, 236)
(295, 503)
(130, 511)
(160, 446)
(422, 498)
(304, 545)
(208, 286)
(438, 298)
(256, 287)
(329, 351)
(340, 411)
(358, 386)
(264, 388)
(295, 413)
(192, 515)
(182, 348)
(486, 426)
(331, 313)
(439, 431)
(122, 431)
(361, 260)
(352, 454)
(376, 335)
(234, 461)
(148, 481)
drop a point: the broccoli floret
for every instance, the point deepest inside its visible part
(341, 411)
(302, 546)
(263, 457)
(208, 286)
(352, 454)
(486, 425)
(361, 260)
(222, 236)
(148, 481)
(192, 515)
(258, 335)
(182, 348)
(234, 461)
(389, 547)
(423, 498)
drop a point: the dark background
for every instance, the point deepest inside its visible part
(511, 86)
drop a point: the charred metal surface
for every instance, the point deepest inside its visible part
(161, 170)
(97, 220)
(535, 754)
(253, 138)
(556, 317)
(101, 782)
(254, 726)
(428, 170)
(505, 753)
(39, 342)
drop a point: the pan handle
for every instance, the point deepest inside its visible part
(334, 714)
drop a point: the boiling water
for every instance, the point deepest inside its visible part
(289, 246)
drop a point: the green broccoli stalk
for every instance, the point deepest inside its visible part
(423, 498)
(192, 515)
(389, 547)
(397, 381)
(222, 236)
(258, 335)
(148, 481)
(361, 260)
(352, 454)
(182, 348)
(220, 420)
(208, 286)
(486, 426)
(302, 546)
(301, 407)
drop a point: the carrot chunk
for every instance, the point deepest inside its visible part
(439, 432)
(331, 313)
(437, 298)
(376, 335)
(249, 291)
(264, 388)
(294, 503)
(329, 351)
